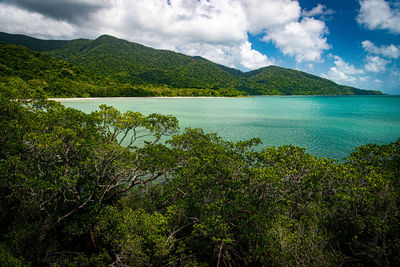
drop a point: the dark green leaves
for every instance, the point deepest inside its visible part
(100, 189)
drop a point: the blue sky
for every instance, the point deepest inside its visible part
(346, 36)
(353, 42)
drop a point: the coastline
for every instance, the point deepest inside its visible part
(186, 97)
(132, 97)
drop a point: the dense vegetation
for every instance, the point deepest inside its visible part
(100, 189)
(30, 42)
(294, 82)
(53, 76)
(134, 66)
(59, 78)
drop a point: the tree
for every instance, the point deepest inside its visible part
(70, 165)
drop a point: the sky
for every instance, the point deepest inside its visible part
(352, 42)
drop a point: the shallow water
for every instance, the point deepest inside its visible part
(329, 126)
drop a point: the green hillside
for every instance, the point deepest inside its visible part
(30, 42)
(293, 82)
(138, 64)
(56, 77)
(143, 69)
(23, 68)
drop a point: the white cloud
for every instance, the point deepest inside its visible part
(389, 51)
(231, 56)
(378, 14)
(222, 54)
(375, 64)
(191, 20)
(252, 59)
(343, 72)
(304, 40)
(318, 11)
(364, 78)
(346, 67)
(368, 77)
(264, 15)
(16, 20)
(280, 21)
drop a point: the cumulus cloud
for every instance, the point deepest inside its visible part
(231, 56)
(214, 29)
(264, 15)
(319, 10)
(367, 77)
(389, 51)
(280, 22)
(375, 64)
(16, 20)
(379, 14)
(304, 40)
(379, 56)
(220, 21)
(252, 59)
(343, 72)
(70, 10)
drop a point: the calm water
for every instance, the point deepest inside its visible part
(329, 126)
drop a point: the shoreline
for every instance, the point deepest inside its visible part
(132, 97)
(178, 97)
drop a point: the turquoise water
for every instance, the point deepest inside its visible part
(329, 126)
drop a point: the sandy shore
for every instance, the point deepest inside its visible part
(138, 97)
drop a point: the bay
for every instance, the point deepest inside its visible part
(328, 126)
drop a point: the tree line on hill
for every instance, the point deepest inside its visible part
(109, 66)
(59, 78)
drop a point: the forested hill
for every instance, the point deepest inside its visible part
(136, 65)
(294, 82)
(30, 42)
(22, 69)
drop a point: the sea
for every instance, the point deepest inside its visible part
(327, 126)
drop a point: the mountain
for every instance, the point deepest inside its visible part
(30, 42)
(294, 82)
(20, 66)
(133, 64)
(27, 70)
(138, 64)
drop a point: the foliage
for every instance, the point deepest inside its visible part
(125, 65)
(59, 78)
(55, 77)
(30, 42)
(7, 259)
(60, 167)
(101, 189)
(294, 82)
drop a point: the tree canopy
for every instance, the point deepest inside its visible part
(123, 68)
(103, 189)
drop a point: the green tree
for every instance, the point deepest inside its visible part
(68, 166)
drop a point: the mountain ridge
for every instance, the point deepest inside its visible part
(24, 70)
(135, 64)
